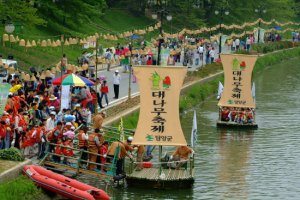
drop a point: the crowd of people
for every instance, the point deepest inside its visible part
(238, 115)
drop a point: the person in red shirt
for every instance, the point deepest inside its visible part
(104, 92)
(149, 61)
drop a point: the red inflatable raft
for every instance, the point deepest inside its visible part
(62, 185)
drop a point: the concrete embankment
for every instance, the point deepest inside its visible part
(13, 172)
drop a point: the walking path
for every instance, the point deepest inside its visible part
(124, 85)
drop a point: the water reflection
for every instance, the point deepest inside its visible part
(233, 163)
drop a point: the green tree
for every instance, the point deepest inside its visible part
(20, 11)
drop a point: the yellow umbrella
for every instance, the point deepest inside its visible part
(15, 88)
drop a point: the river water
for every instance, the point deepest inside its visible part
(245, 164)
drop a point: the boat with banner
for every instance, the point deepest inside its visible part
(159, 126)
(237, 99)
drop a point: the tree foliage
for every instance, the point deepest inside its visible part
(20, 11)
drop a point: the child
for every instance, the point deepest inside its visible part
(102, 151)
(104, 92)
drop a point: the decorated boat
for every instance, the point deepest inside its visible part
(159, 126)
(237, 98)
(63, 185)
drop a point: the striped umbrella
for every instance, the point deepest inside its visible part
(72, 79)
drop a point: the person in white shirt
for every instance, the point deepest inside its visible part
(116, 79)
(201, 51)
(237, 44)
(212, 55)
(50, 123)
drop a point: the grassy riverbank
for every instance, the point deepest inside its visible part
(20, 188)
(199, 92)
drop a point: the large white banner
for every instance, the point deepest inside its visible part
(4, 88)
(65, 97)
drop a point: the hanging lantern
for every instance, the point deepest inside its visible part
(42, 77)
(5, 37)
(69, 67)
(57, 68)
(66, 43)
(17, 39)
(22, 75)
(85, 66)
(22, 43)
(54, 44)
(33, 78)
(27, 77)
(53, 70)
(81, 42)
(33, 43)
(44, 43)
(11, 70)
(49, 43)
(58, 42)
(12, 39)
(48, 73)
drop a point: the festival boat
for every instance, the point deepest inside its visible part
(159, 125)
(62, 185)
(237, 98)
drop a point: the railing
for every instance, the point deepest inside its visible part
(188, 164)
(111, 168)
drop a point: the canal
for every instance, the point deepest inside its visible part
(245, 164)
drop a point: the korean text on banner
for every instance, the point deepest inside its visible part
(237, 82)
(159, 122)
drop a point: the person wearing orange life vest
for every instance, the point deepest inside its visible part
(103, 151)
(67, 151)
(58, 150)
(249, 116)
(93, 147)
(124, 147)
(53, 136)
(83, 144)
(20, 125)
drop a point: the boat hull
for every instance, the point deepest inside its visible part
(236, 125)
(62, 185)
(159, 184)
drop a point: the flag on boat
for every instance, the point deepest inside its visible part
(253, 90)
(121, 130)
(220, 90)
(194, 131)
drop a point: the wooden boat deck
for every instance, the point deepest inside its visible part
(170, 174)
(236, 125)
(149, 178)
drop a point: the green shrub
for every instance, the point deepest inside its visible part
(11, 154)
(20, 188)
